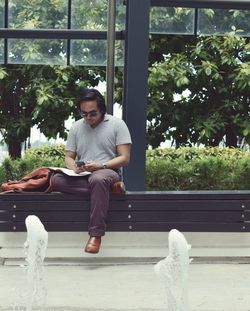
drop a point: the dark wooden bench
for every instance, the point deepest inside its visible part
(208, 211)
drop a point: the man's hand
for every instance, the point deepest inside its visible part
(79, 169)
(92, 166)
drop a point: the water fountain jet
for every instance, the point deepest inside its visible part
(35, 250)
(173, 270)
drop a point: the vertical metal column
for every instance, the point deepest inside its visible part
(110, 69)
(69, 27)
(6, 25)
(136, 88)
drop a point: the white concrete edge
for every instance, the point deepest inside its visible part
(130, 244)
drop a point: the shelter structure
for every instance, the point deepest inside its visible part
(134, 32)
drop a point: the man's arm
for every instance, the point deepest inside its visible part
(122, 159)
(70, 160)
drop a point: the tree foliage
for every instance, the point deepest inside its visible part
(42, 96)
(200, 95)
(215, 72)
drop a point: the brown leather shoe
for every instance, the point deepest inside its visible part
(93, 245)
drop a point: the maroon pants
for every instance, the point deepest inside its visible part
(98, 185)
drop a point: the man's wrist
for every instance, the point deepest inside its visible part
(104, 165)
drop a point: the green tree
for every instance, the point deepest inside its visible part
(44, 95)
(200, 95)
(39, 95)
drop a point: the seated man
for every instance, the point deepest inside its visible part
(103, 143)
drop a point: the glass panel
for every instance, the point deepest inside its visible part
(92, 15)
(119, 53)
(172, 20)
(37, 51)
(94, 52)
(1, 13)
(38, 14)
(1, 51)
(211, 21)
(120, 15)
(89, 15)
(88, 52)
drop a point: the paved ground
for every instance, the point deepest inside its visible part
(77, 285)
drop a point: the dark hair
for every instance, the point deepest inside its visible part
(92, 94)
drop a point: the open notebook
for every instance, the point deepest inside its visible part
(69, 172)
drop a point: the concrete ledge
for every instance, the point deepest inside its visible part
(111, 261)
(131, 245)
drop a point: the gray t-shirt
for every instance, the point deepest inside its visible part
(98, 144)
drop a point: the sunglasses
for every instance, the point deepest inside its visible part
(84, 114)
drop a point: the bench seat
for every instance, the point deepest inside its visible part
(156, 211)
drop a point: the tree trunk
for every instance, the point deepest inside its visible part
(231, 138)
(15, 148)
(15, 135)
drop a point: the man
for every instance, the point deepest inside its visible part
(103, 143)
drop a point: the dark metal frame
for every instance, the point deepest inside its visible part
(135, 98)
(57, 34)
(136, 65)
(68, 33)
(215, 4)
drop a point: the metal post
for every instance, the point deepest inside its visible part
(136, 88)
(110, 69)
(69, 27)
(6, 25)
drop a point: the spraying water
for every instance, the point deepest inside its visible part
(173, 270)
(35, 250)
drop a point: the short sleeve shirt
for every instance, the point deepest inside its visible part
(98, 144)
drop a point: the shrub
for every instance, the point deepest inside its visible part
(33, 158)
(52, 152)
(192, 168)
(185, 168)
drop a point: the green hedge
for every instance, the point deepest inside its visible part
(33, 158)
(166, 169)
(198, 169)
